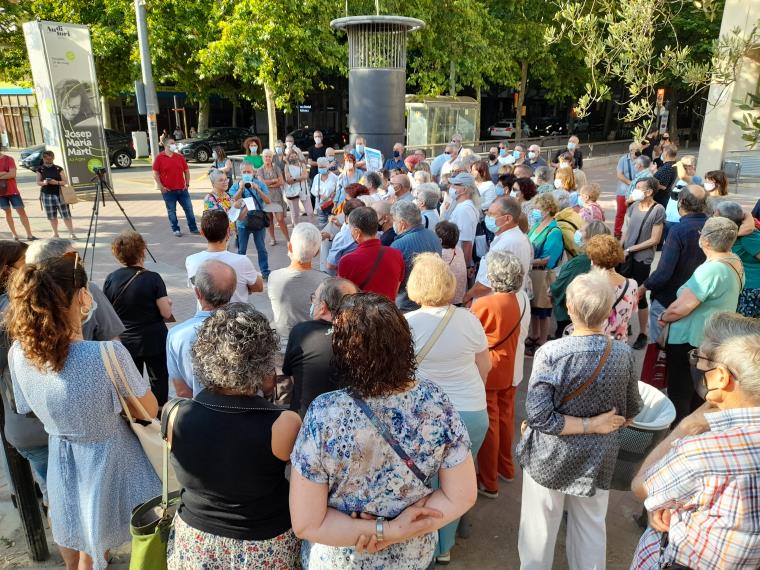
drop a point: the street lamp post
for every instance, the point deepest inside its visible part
(151, 101)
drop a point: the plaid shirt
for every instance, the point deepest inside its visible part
(711, 483)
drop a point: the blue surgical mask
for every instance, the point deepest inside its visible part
(581, 201)
(253, 148)
(571, 146)
(502, 152)
(578, 238)
(322, 170)
(360, 148)
(535, 217)
(311, 311)
(453, 194)
(278, 149)
(516, 154)
(499, 190)
(531, 155)
(247, 177)
(491, 224)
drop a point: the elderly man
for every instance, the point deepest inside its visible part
(625, 175)
(215, 228)
(331, 159)
(681, 255)
(308, 356)
(437, 165)
(534, 157)
(700, 483)
(459, 208)
(572, 148)
(215, 283)
(523, 171)
(315, 152)
(518, 153)
(456, 150)
(411, 238)
(397, 162)
(105, 324)
(502, 219)
(289, 288)
(360, 146)
(403, 188)
(428, 198)
(543, 176)
(384, 222)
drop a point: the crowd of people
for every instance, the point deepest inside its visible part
(359, 426)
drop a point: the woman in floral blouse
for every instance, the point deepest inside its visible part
(218, 198)
(344, 465)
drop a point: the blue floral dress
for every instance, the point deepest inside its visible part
(337, 445)
(97, 470)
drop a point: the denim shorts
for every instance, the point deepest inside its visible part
(15, 201)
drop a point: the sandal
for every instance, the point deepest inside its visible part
(530, 341)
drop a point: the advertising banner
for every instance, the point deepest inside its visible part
(67, 95)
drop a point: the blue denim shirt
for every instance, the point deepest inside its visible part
(411, 242)
(179, 355)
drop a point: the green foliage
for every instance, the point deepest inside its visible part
(750, 122)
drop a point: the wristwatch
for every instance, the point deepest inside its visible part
(585, 425)
(380, 528)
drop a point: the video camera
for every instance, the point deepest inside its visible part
(99, 170)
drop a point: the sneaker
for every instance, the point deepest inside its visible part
(641, 342)
(488, 494)
(195, 232)
(443, 559)
(178, 233)
(506, 479)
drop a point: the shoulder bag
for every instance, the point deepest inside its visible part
(170, 319)
(373, 270)
(293, 190)
(146, 428)
(255, 220)
(420, 356)
(514, 328)
(542, 277)
(583, 387)
(390, 440)
(68, 195)
(626, 268)
(151, 522)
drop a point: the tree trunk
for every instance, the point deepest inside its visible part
(234, 115)
(105, 111)
(607, 118)
(477, 117)
(203, 110)
(271, 115)
(452, 78)
(521, 98)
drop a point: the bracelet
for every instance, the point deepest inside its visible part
(585, 425)
(380, 528)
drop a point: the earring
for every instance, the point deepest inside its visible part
(85, 311)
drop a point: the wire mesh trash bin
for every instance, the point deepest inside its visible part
(647, 430)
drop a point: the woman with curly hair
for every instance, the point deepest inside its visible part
(229, 448)
(371, 449)
(97, 471)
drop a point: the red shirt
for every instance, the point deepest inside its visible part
(387, 277)
(6, 165)
(171, 170)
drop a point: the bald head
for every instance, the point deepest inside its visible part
(382, 208)
(692, 200)
(401, 183)
(329, 294)
(215, 283)
(522, 171)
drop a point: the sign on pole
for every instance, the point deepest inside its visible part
(67, 96)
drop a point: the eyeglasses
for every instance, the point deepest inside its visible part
(695, 357)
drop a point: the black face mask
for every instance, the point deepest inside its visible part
(637, 153)
(379, 227)
(491, 157)
(700, 385)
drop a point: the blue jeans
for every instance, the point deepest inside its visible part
(171, 198)
(38, 461)
(655, 310)
(259, 237)
(477, 426)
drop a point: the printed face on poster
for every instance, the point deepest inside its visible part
(68, 98)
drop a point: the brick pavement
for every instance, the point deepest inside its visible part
(493, 542)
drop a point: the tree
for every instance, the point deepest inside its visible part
(280, 46)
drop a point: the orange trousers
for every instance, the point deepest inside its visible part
(495, 455)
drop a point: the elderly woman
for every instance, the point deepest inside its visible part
(253, 147)
(568, 220)
(324, 189)
(219, 198)
(296, 174)
(251, 187)
(290, 288)
(704, 474)
(140, 299)
(373, 447)
(97, 471)
(570, 270)
(544, 176)
(271, 175)
(220, 161)
(234, 511)
(461, 206)
(591, 211)
(582, 388)
(548, 247)
(501, 315)
(451, 350)
(427, 198)
(715, 286)
(747, 247)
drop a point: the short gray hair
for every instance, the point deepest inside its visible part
(235, 349)
(731, 211)
(305, 241)
(643, 161)
(407, 212)
(563, 199)
(430, 195)
(719, 233)
(43, 249)
(508, 206)
(505, 272)
(216, 282)
(591, 297)
(322, 162)
(734, 341)
(215, 175)
(333, 289)
(595, 228)
(543, 173)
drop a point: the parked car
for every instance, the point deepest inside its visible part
(548, 126)
(121, 151)
(303, 138)
(504, 129)
(200, 148)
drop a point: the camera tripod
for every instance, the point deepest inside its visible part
(101, 185)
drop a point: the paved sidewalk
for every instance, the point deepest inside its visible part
(493, 541)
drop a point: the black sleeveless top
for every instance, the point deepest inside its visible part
(53, 172)
(232, 484)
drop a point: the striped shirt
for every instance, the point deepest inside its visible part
(711, 483)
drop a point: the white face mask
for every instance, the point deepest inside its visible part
(93, 308)
(288, 144)
(318, 140)
(709, 186)
(557, 183)
(637, 195)
(173, 147)
(564, 165)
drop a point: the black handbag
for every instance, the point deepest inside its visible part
(626, 268)
(257, 219)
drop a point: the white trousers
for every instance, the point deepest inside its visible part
(540, 518)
